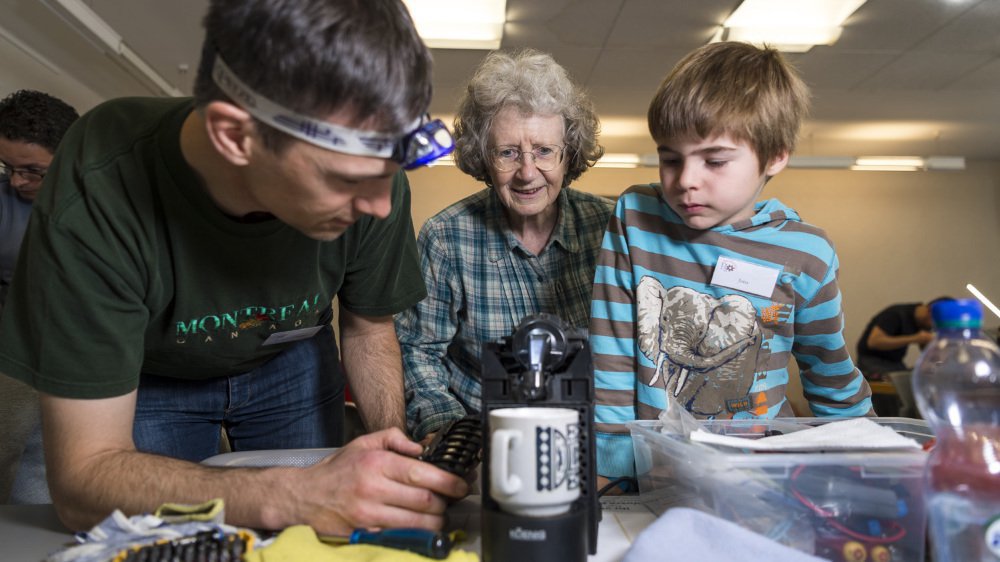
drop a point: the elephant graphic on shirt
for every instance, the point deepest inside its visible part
(704, 349)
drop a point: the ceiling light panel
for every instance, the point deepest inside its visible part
(791, 25)
(459, 24)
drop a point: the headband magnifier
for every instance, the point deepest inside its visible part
(427, 140)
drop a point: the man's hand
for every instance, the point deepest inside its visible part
(878, 339)
(374, 482)
(923, 337)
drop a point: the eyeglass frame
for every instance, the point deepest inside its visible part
(8, 171)
(499, 164)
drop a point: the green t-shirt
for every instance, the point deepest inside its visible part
(129, 267)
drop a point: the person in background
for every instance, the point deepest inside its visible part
(184, 260)
(885, 340)
(31, 125)
(526, 244)
(882, 349)
(703, 293)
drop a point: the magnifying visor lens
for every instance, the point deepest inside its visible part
(430, 141)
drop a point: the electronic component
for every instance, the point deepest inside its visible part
(856, 519)
(456, 447)
(206, 545)
(838, 496)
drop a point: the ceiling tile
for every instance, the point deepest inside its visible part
(923, 70)
(974, 30)
(543, 25)
(983, 78)
(671, 24)
(161, 46)
(826, 68)
(898, 25)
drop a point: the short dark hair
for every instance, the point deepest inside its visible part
(750, 93)
(320, 56)
(36, 118)
(531, 82)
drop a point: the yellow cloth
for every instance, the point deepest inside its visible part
(299, 544)
(212, 511)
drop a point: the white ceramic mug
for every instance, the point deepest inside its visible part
(534, 460)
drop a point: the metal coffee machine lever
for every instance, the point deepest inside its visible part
(544, 363)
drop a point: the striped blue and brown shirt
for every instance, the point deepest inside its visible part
(662, 325)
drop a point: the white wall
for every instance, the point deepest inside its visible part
(901, 236)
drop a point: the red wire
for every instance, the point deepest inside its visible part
(829, 517)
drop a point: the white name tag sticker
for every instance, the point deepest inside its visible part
(745, 276)
(292, 335)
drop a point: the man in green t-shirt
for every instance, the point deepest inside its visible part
(179, 267)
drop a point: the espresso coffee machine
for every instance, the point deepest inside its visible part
(542, 364)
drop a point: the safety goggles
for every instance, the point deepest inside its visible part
(426, 141)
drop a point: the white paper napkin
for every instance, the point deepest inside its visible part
(852, 434)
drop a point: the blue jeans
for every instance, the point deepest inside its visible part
(29, 486)
(295, 400)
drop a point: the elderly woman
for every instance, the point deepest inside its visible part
(525, 244)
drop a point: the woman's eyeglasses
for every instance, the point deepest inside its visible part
(509, 158)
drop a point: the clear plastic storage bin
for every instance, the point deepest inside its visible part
(844, 506)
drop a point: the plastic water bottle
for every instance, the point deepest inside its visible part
(957, 387)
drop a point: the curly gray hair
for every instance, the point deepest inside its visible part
(534, 83)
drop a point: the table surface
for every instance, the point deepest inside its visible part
(30, 532)
(33, 532)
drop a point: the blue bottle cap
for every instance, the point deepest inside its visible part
(958, 313)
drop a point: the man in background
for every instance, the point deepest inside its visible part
(31, 125)
(889, 334)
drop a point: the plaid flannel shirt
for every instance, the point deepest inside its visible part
(481, 282)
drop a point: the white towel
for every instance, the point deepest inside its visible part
(683, 535)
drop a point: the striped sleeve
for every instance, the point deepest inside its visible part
(612, 341)
(831, 383)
